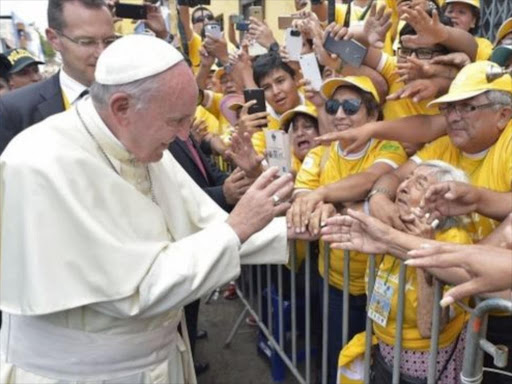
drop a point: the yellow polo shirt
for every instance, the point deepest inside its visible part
(485, 48)
(336, 168)
(388, 271)
(492, 170)
(396, 109)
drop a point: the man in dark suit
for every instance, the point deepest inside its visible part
(223, 189)
(79, 30)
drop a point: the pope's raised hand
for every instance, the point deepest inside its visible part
(264, 200)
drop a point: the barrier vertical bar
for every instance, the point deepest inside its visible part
(259, 292)
(325, 313)
(308, 313)
(251, 286)
(397, 350)
(269, 301)
(369, 323)
(280, 304)
(346, 297)
(434, 337)
(293, 261)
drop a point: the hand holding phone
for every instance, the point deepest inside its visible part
(350, 51)
(293, 42)
(213, 30)
(256, 12)
(278, 150)
(311, 70)
(255, 94)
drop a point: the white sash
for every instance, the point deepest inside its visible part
(37, 346)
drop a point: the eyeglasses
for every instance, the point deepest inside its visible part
(350, 106)
(464, 108)
(89, 42)
(421, 53)
(202, 18)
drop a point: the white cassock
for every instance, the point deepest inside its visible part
(93, 273)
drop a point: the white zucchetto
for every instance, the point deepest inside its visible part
(135, 57)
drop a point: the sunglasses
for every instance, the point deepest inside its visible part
(350, 106)
(200, 19)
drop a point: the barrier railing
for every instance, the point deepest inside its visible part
(290, 344)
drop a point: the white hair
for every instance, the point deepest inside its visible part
(447, 172)
(139, 90)
(499, 98)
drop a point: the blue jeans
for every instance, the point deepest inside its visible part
(356, 324)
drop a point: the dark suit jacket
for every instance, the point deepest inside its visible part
(21, 108)
(215, 178)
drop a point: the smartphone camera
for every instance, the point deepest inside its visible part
(295, 32)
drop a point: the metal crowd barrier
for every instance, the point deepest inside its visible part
(286, 343)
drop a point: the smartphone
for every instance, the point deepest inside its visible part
(311, 70)
(213, 30)
(350, 51)
(131, 11)
(242, 25)
(256, 11)
(278, 150)
(293, 42)
(284, 22)
(258, 95)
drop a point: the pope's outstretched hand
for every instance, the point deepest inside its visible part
(264, 200)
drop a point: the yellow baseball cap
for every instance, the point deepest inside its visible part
(472, 81)
(362, 82)
(288, 116)
(504, 30)
(474, 3)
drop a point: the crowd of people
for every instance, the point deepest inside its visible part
(118, 211)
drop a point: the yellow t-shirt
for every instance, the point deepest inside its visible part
(388, 271)
(308, 176)
(492, 170)
(214, 109)
(484, 49)
(194, 45)
(336, 168)
(211, 121)
(355, 13)
(396, 109)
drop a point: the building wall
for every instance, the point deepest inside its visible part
(273, 8)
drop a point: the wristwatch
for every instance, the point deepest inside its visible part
(274, 47)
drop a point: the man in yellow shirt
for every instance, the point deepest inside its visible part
(479, 130)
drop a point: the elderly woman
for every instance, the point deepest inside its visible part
(419, 293)
(328, 175)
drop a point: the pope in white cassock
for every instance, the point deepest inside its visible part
(104, 237)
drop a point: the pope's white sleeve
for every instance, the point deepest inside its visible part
(183, 272)
(268, 246)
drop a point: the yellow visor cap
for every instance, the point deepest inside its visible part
(362, 82)
(288, 116)
(472, 81)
